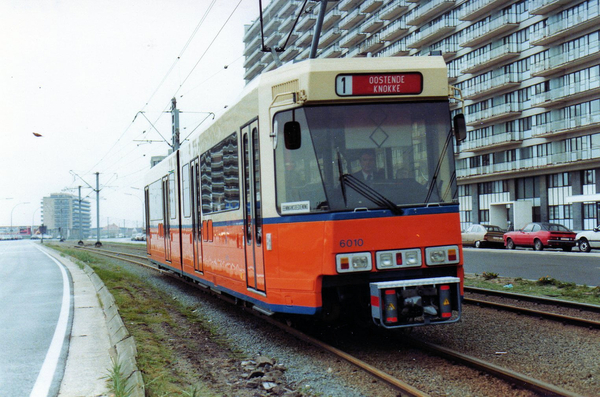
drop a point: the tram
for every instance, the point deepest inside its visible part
(328, 191)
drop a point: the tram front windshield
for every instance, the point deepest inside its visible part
(349, 157)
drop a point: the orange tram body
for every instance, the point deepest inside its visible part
(328, 190)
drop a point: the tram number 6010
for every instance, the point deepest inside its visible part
(349, 243)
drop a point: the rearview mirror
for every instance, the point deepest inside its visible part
(460, 127)
(292, 135)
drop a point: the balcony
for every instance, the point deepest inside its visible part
(428, 11)
(394, 30)
(486, 32)
(491, 59)
(253, 45)
(346, 5)
(434, 32)
(393, 10)
(252, 59)
(397, 49)
(476, 9)
(252, 31)
(306, 22)
(568, 93)
(496, 141)
(561, 60)
(330, 37)
(253, 71)
(289, 8)
(492, 86)
(542, 7)
(273, 40)
(372, 25)
(287, 23)
(332, 52)
(562, 28)
(372, 44)
(272, 25)
(305, 38)
(352, 38)
(369, 6)
(494, 114)
(351, 20)
(568, 126)
(331, 18)
(290, 53)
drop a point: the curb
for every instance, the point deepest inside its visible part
(123, 344)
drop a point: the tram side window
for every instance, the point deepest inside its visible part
(155, 201)
(172, 197)
(220, 176)
(185, 181)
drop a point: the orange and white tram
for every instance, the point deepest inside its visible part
(328, 190)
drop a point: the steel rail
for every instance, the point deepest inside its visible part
(582, 322)
(524, 381)
(535, 299)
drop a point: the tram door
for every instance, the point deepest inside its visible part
(196, 216)
(253, 225)
(166, 218)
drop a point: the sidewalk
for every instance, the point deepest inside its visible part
(97, 335)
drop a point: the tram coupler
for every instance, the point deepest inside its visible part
(409, 303)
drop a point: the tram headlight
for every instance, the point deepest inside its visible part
(354, 262)
(442, 255)
(398, 258)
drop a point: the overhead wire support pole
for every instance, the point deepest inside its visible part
(175, 124)
(98, 243)
(318, 27)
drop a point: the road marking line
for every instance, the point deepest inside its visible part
(46, 375)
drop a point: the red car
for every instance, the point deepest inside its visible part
(540, 235)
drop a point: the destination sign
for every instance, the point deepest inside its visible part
(379, 84)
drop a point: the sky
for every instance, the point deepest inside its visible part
(95, 79)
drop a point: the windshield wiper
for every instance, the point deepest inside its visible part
(433, 183)
(341, 172)
(369, 193)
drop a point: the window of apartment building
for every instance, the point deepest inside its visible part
(540, 88)
(465, 216)
(505, 156)
(544, 118)
(589, 177)
(560, 213)
(527, 188)
(559, 180)
(590, 215)
(492, 187)
(526, 153)
(464, 191)
(543, 150)
(484, 216)
(485, 159)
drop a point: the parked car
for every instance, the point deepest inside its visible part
(540, 235)
(483, 236)
(588, 239)
(138, 237)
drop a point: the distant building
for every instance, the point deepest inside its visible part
(65, 217)
(528, 71)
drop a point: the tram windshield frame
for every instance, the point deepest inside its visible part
(409, 147)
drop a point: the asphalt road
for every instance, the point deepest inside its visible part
(576, 267)
(35, 315)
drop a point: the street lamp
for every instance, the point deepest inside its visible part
(11, 216)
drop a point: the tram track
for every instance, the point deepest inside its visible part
(546, 314)
(512, 377)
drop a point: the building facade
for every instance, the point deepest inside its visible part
(528, 70)
(65, 217)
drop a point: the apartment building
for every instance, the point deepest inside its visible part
(64, 216)
(529, 71)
